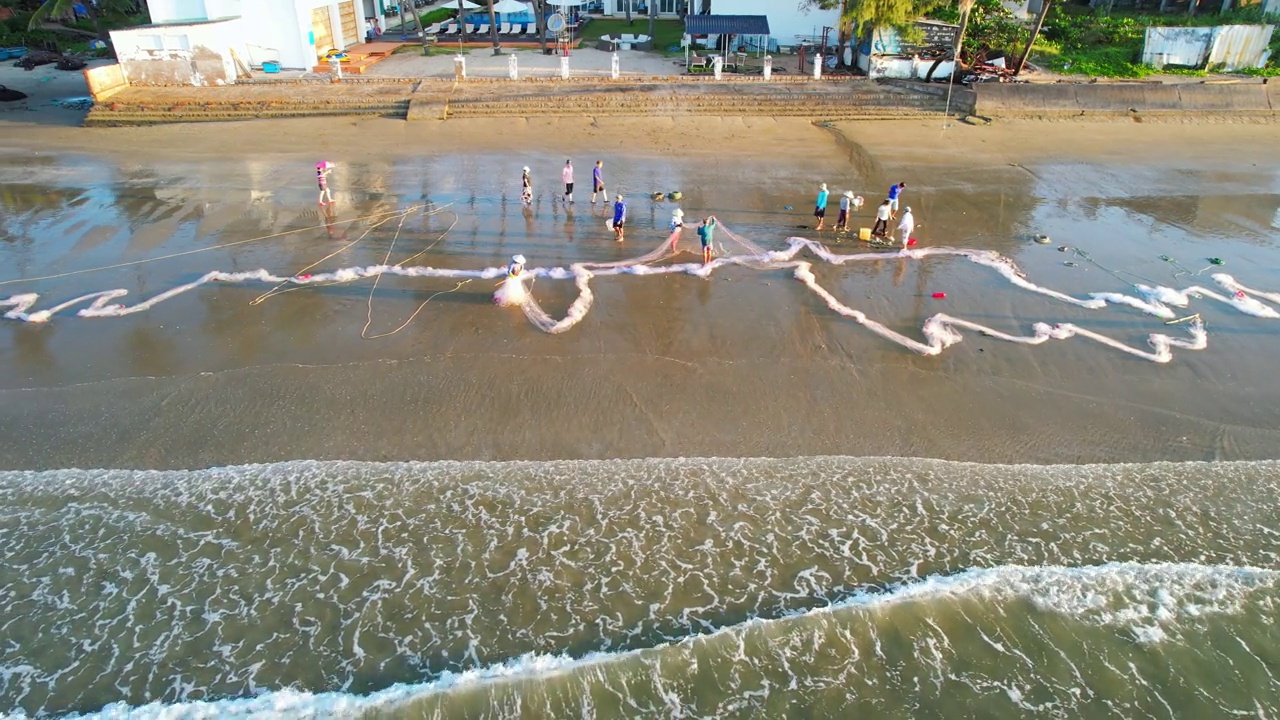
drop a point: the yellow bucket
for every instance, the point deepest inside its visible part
(864, 233)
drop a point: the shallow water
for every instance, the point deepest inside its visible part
(744, 362)
(647, 587)
(819, 584)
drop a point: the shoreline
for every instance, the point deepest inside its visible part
(723, 367)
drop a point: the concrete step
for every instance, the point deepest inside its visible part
(106, 118)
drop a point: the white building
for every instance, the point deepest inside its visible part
(789, 22)
(197, 42)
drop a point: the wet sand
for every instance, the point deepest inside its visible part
(746, 363)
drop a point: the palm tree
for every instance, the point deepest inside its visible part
(58, 8)
(493, 30)
(462, 25)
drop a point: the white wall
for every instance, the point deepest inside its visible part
(786, 21)
(175, 54)
(277, 30)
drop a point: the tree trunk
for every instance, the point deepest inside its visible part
(1044, 10)
(97, 27)
(493, 30)
(706, 7)
(1226, 6)
(965, 7)
(1191, 8)
(628, 10)
(542, 24)
(653, 16)
(462, 24)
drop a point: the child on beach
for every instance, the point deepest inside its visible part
(619, 218)
(706, 233)
(597, 183)
(567, 176)
(526, 187)
(322, 179)
(820, 207)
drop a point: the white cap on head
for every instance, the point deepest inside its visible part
(824, 186)
(908, 208)
(517, 259)
(526, 169)
(848, 193)
(677, 213)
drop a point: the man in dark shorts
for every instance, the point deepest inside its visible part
(597, 183)
(706, 233)
(820, 207)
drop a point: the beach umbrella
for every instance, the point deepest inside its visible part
(508, 7)
(464, 4)
(566, 3)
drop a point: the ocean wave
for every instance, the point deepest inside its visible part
(1147, 598)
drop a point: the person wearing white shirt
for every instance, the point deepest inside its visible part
(567, 175)
(881, 228)
(907, 225)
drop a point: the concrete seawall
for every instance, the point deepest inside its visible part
(1246, 99)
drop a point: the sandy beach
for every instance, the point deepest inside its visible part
(741, 363)
(711, 496)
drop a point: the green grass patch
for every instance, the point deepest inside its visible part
(437, 15)
(666, 32)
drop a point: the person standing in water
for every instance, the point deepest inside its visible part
(322, 179)
(895, 192)
(567, 175)
(526, 187)
(907, 225)
(597, 183)
(619, 219)
(706, 233)
(846, 203)
(820, 207)
(882, 220)
(677, 224)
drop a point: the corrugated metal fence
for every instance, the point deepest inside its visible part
(1226, 47)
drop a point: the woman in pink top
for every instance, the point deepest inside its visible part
(567, 174)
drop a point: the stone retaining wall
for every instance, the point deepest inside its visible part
(1062, 99)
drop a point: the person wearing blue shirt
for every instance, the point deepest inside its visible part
(820, 208)
(619, 218)
(706, 233)
(597, 183)
(894, 192)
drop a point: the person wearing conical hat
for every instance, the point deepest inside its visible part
(846, 203)
(677, 224)
(526, 187)
(516, 267)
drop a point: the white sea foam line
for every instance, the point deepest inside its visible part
(1142, 597)
(940, 331)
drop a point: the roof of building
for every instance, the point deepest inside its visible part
(726, 24)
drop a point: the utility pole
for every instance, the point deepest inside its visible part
(1044, 10)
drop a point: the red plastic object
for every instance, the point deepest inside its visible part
(304, 277)
(940, 295)
(911, 241)
(1240, 294)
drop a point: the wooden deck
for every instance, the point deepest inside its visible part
(364, 56)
